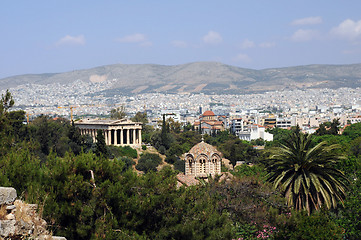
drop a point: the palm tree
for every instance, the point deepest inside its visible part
(306, 174)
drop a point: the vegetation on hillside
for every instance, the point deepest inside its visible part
(88, 190)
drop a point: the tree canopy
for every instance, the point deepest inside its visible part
(307, 175)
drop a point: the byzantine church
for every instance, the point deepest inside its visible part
(203, 160)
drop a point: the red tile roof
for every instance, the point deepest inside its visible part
(208, 113)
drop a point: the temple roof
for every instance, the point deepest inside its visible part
(106, 122)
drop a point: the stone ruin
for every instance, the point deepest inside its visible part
(19, 220)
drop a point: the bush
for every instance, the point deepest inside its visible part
(180, 165)
(316, 226)
(171, 159)
(245, 170)
(125, 151)
(148, 162)
(162, 150)
(144, 147)
(128, 162)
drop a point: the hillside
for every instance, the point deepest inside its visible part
(206, 77)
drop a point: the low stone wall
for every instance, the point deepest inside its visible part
(19, 220)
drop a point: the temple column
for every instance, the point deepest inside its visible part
(116, 142)
(140, 136)
(121, 136)
(134, 137)
(105, 133)
(109, 137)
(128, 140)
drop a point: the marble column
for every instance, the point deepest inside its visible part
(116, 142)
(121, 136)
(134, 137)
(109, 137)
(128, 135)
(140, 136)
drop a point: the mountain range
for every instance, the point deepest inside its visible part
(197, 77)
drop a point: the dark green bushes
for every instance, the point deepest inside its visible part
(148, 162)
(120, 151)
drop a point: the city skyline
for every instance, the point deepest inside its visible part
(49, 37)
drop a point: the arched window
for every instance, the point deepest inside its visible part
(202, 165)
(216, 160)
(191, 166)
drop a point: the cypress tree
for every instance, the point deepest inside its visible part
(101, 147)
(164, 134)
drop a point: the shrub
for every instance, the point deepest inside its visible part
(128, 162)
(171, 159)
(162, 150)
(148, 162)
(316, 226)
(179, 165)
(120, 151)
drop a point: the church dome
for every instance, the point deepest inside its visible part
(208, 113)
(203, 160)
(203, 148)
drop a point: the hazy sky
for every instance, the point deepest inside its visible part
(56, 36)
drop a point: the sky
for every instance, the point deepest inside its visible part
(50, 36)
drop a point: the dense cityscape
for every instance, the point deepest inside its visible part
(307, 108)
(180, 120)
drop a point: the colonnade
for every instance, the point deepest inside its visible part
(116, 136)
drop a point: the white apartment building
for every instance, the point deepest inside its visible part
(251, 132)
(284, 123)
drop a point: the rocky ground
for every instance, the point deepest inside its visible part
(20, 220)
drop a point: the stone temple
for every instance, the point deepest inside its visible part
(116, 132)
(203, 160)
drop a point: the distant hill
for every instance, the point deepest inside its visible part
(206, 77)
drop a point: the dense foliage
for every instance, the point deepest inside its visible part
(90, 191)
(307, 175)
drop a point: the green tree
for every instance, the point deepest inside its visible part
(237, 150)
(6, 102)
(279, 135)
(321, 130)
(100, 146)
(334, 126)
(317, 226)
(353, 131)
(307, 175)
(118, 113)
(140, 117)
(148, 162)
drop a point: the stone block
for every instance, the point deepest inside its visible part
(10, 216)
(10, 207)
(7, 228)
(58, 238)
(7, 195)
